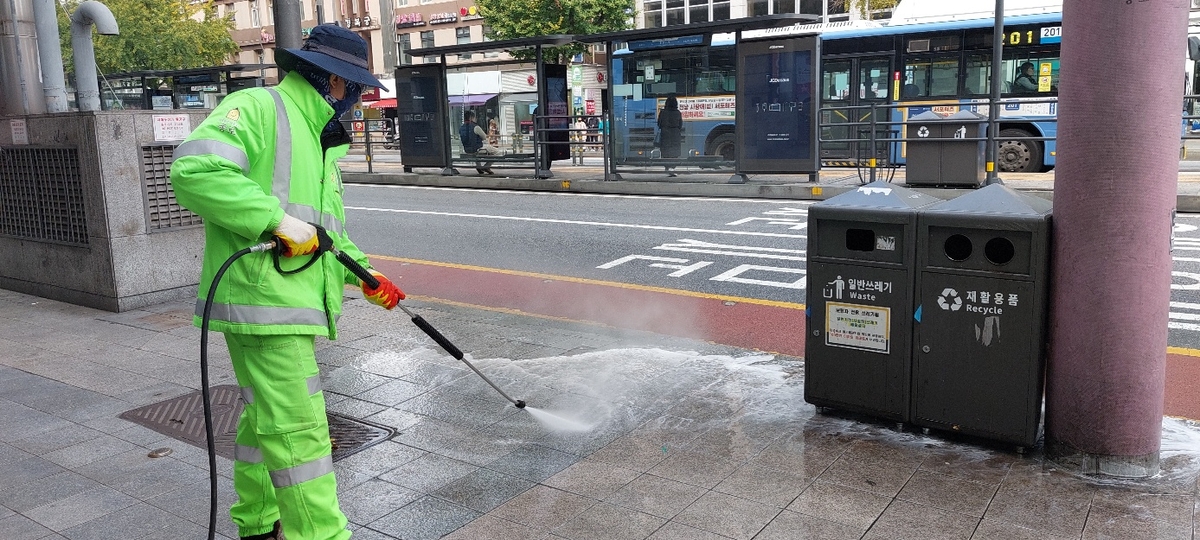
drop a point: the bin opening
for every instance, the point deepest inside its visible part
(860, 240)
(958, 248)
(999, 251)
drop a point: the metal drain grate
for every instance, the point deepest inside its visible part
(182, 418)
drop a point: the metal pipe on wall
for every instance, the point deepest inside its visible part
(50, 56)
(87, 86)
(19, 78)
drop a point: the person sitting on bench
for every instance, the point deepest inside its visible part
(474, 141)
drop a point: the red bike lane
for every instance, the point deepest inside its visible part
(775, 327)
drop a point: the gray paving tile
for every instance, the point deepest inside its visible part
(387, 362)
(948, 493)
(763, 485)
(136, 521)
(428, 473)
(190, 501)
(834, 502)
(88, 451)
(82, 507)
(991, 529)
(355, 408)
(908, 521)
(492, 528)
(364, 533)
(592, 478)
(46, 490)
(1166, 517)
(608, 522)
(1047, 502)
(656, 496)
(727, 515)
(18, 527)
(478, 450)
(790, 525)
(143, 477)
(425, 519)
(393, 393)
(60, 438)
(543, 508)
(678, 531)
(648, 445)
(20, 422)
(374, 499)
(22, 472)
(467, 411)
(697, 469)
(483, 490)
(350, 381)
(532, 462)
(381, 458)
(396, 418)
(879, 475)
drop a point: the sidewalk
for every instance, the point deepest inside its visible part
(672, 439)
(589, 178)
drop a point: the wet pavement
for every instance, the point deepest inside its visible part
(634, 435)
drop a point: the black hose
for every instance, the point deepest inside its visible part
(208, 423)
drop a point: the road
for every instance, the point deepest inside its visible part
(677, 265)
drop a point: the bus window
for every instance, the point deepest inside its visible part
(1028, 74)
(874, 76)
(930, 77)
(977, 75)
(835, 80)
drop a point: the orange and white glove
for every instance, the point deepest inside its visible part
(298, 237)
(387, 295)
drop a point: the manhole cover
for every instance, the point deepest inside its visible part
(182, 418)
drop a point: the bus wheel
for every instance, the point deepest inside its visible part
(723, 145)
(1018, 156)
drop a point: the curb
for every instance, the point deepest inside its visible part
(787, 191)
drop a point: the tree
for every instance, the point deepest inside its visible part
(156, 35)
(511, 19)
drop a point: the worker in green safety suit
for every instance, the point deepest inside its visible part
(263, 165)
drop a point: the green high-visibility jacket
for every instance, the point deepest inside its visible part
(255, 157)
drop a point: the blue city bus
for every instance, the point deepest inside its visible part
(907, 69)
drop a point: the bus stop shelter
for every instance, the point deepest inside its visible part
(726, 122)
(428, 132)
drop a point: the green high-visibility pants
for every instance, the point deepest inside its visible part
(283, 468)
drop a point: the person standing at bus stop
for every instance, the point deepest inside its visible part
(670, 132)
(263, 165)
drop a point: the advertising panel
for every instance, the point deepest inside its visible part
(422, 114)
(777, 104)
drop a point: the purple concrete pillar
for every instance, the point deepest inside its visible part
(1120, 103)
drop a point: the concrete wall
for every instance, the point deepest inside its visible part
(124, 265)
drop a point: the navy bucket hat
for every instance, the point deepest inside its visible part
(335, 50)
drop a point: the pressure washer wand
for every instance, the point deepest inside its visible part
(327, 245)
(450, 348)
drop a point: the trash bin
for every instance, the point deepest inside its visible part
(982, 281)
(937, 155)
(861, 265)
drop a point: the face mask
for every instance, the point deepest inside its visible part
(319, 80)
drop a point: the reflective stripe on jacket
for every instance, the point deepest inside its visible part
(255, 157)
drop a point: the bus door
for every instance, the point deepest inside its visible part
(845, 85)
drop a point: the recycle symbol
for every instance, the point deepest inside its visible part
(949, 300)
(923, 131)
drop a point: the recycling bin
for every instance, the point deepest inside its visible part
(861, 265)
(982, 285)
(940, 151)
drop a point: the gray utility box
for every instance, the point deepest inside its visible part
(861, 261)
(982, 277)
(941, 152)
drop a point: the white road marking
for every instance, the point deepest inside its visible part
(576, 222)
(732, 276)
(661, 262)
(1175, 316)
(1194, 286)
(795, 223)
(688, 245)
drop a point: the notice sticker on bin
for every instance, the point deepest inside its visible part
(855, 326)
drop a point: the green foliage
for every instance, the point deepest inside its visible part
(511, 19)
(156, 34)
